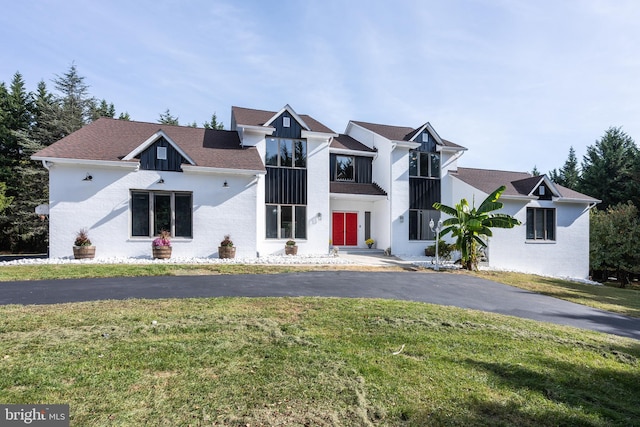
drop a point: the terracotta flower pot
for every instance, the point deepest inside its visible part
(226, 251)
(84, 252)
(161, 252)
(291, 250)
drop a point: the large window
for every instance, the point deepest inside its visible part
(289, 153)
(425, 165)
(344, 168)
(541, 224)
(286, 222)
(419, 223)
(154, 211)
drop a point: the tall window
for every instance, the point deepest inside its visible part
(344, 168)
(424, 165)
(419, 223)
(289, 153)
(541, 224)
(286, 221)
(154, 211)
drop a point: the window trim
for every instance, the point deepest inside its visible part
(429, 161)
(536, 211)
(353, 168)
(294, 209)
(294, 160)
(430, 233)
(151, 213)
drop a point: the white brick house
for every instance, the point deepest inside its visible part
(278, 175)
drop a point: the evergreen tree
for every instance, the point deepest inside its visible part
(124, 116)
(213, 124)
(167, 119)
(102, 110)
(5, 201)
(569, 174)
(75, 105)
(535, 171)
(608, 169)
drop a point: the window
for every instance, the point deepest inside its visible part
(286, 153)
(286, 122)
(344, 168)
(286, 222)
(419, 223)
(161, 153)
(154, 211)
(541, 224)
(425, 165)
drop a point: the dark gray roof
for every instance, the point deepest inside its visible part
(400, 133)
(252, 117)
(345, 142)
(356, 188)
(516, 183)
(111, 140)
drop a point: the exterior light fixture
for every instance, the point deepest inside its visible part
(226, 184)
(88, 177)
(160, 181)
(437, 230)
(401, 218)
(319, 215)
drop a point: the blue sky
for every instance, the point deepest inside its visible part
(516, 82)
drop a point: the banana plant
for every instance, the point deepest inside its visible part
(470, 225)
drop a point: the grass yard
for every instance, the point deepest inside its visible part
(614, 299)
(312, 361)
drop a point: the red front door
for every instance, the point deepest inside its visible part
(345, 229)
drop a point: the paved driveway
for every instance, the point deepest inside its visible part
(438, 288)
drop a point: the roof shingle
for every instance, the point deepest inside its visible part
(252, 117)
(516, 183)
(111, 140)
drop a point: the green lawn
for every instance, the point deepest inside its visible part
(312, 361)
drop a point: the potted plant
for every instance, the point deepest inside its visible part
(161, 245)
(226, 248)
(82, 248)
(290, 248)
(370, 242)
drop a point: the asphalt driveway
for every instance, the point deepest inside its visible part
(438, 288)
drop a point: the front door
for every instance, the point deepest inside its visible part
(345, 228)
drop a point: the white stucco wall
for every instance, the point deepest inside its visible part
(102, 206)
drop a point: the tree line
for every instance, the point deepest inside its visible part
(610, 172)
(30, 121)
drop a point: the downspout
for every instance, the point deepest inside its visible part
(46, 164)
(393, 147)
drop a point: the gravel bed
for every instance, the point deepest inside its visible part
(267, 260)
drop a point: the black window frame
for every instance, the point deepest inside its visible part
(424, 164)
(541, 224)
(352, 167)
(178, 226)
(419, 229)
(298, 220)
(296, 162)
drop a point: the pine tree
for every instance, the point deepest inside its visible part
(569, 174)
(608, 169)
(535, 171)
(213, 124)
(103, 109)
(75, 105)
(167, 119)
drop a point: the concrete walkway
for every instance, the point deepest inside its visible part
(438, 288)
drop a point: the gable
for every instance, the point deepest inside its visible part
(286, 126)
(162, 156)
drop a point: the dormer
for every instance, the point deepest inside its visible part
(537, 187)
(159, 152)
